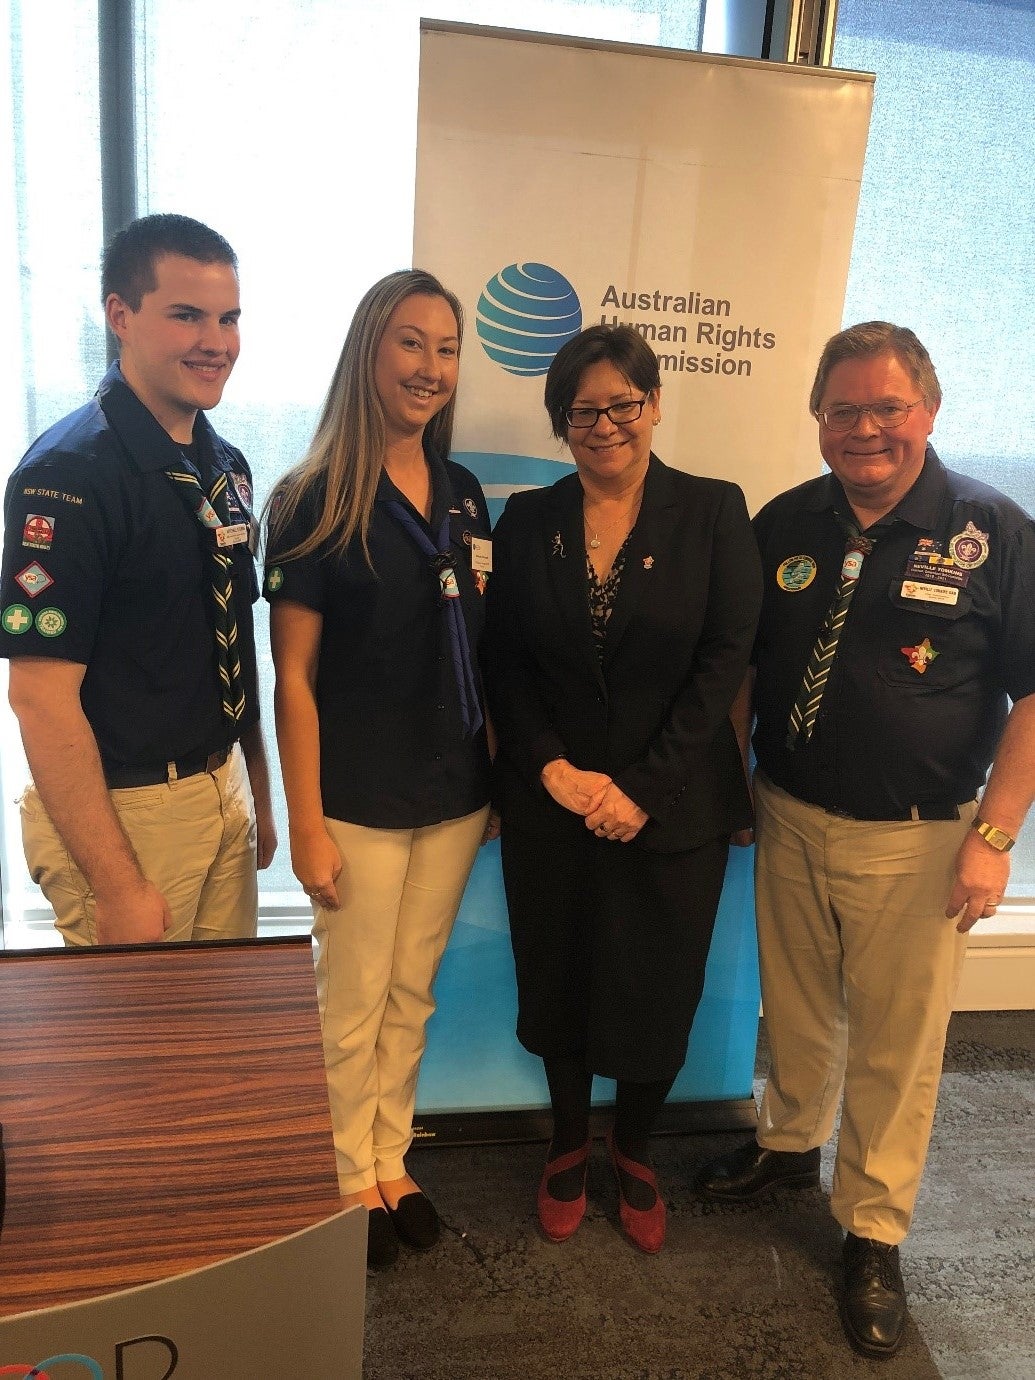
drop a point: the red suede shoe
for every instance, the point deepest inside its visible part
(645, 1227)
(558, 1219)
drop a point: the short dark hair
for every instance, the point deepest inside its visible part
(621, 346)
(871, 338)
(130, 259)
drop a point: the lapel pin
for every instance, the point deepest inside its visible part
(648, 562)
(558, 545)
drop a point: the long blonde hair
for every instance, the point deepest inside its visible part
(347, 449)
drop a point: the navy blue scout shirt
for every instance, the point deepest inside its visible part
(104, 565)
(392, 755)
(940, 630)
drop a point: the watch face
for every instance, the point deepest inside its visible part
(998, 838)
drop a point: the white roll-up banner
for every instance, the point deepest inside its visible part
(708, 202)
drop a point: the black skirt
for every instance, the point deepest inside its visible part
(610, 945)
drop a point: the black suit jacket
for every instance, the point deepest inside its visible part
(654, 713)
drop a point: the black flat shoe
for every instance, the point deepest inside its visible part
(382, 1242)
(415, 1221)
(751, 1170)
(873, 1306)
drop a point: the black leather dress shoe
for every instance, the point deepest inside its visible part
(751, 1170)
(873, 1307)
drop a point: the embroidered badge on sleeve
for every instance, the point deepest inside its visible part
(38, 532)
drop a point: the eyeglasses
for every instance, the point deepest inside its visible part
(582, 418)
(886, 415)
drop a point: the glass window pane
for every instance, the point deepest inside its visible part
(51, 319)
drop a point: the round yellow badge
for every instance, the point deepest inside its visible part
(796, 573)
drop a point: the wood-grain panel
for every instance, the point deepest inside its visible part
(163, 1107)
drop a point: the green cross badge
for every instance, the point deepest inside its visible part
(16, 619)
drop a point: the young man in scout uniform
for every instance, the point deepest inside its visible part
(897, 620)
(126, 612)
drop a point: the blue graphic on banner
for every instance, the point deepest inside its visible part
(525, 314)
(502, 475)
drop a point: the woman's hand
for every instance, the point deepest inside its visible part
(616, 817)
(578, 791)
(317, 864)
(492, 827)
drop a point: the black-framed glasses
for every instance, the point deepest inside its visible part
(582, 418)
(886, 415)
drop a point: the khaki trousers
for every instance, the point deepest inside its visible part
(377, 957)
(194, 840)
(859, 972)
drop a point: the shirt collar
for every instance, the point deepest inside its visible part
(441, 490)
(920, 506)
(149, 445)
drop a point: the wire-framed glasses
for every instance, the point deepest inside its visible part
(886, 415)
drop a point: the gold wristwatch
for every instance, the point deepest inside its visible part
(998, 838)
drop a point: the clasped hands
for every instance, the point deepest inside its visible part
(607, 810)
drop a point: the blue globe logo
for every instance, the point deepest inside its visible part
(525, 314)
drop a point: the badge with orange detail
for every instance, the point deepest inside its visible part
(920, 656)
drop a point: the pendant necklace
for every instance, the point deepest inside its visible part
(597, 532)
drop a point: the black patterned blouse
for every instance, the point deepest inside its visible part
(602, 595)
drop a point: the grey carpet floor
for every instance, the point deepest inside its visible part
(738, 1293)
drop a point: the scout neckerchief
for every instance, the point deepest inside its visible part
(442, 564)
(806, 706)
(213, 512)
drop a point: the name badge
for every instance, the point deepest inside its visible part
(232, 535)
(481, 554)
(930, 594)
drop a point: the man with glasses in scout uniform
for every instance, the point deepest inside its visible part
(897, 619)
(126, 612)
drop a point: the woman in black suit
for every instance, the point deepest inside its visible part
(622, 611)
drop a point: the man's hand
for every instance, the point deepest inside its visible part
(254, 748)
(135, 914)
(66, 768)
(265, 837)
(981, 876)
